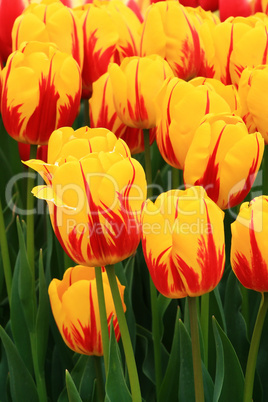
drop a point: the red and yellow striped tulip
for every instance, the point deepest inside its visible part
(224, 158)
(95, 192)
(74, 304)
(110, 34)
(252, 89)
(249, 257)
(135, 84)
(103, 114)
(239, 43)
(183, 242)
(50, 21)
(9, 11)
(180, 47)
(182, 106)
(41, 91)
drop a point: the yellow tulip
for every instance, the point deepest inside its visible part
(135, 84)
(74, 304)
(41, 91)
(110, 34)
(249, 258)
(50, 21)
(183, 242)
(103, 114)
(253, 87)
(224, 158)
(182, 105)
(94, 196)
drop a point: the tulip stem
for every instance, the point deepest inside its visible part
(204, 321)
(175, 178)
(197, 363)
(127, 345)
(5, 254)
(30, 215)
(103, 317)
(99, 377)
(153, 291)
(254, 348)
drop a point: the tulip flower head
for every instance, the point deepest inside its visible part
(41, 91)
(224, 158)
(183, 242)
(182, 106)
(252, 89)
(110, 31)
(135, 84)
(170, 32)
(94, 191)
(249, 257)
(103, 114)
(74, 304)
(50, 21)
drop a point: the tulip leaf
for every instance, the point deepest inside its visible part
(18, 323)
(186, 376)
(42, 318)
(26, 283)
(229, 380)
(162, 305)
(169, 386)
(116, 387)
(21, 382)
(73, 394)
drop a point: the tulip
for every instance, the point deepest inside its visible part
(182, 48)
(9, 11)
(239, 43)
(41, 90)
(74, 304)
(94, 192)
(252, 90)
(236, 8)
(103, 114)
(249, 258)
(110, 34)
(182, 106)
(50, 21)
(183, 242)
(135, 84)
(224, 158)
(205, 4)
(24, 151)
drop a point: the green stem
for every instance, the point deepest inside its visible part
(30, 214)
(103, 317)
(204, 321)
(153, 291)
(86, 112)
(127, 345)
(175, 178)
(254, 348)
(245, 304)
(148, 165)
(100, 386)
(39, 376)
(5, 254)
(197, 364)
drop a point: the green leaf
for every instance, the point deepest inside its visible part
(116, 387)
(162, 305)
(73, 394)
(21, 382)
(42, 318)
(18, 323)
(229, 380)
(169, 386)
(26, 284)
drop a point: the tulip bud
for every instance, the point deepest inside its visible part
(75, 307)
(224, 158)
(183, 242)
(41, 91)
(249, 257)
